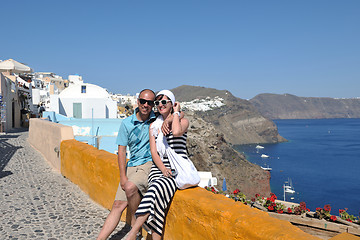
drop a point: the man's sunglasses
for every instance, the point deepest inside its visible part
(149, 102)
(163, 102)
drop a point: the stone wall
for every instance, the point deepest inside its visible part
(46, 136)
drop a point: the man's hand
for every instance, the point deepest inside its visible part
(166, 126)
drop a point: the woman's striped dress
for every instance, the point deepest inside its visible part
(161, 189)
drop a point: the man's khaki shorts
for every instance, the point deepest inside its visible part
(137, 175)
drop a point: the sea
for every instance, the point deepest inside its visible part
(321, 159)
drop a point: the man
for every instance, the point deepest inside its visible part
(133, 132)
(41, 109)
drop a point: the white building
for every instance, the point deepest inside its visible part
(46, 84)
(207, 180)
(75, 79)
(82, 100)
(126, 99)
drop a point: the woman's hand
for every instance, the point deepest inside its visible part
(176, 107)
(167, 172)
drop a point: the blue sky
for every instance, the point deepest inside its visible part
(306, 48)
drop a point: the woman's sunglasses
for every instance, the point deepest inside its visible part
(163, 102)
(149, 102)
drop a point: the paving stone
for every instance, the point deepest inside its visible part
(37, 202)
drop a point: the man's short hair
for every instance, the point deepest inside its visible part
(145, 90)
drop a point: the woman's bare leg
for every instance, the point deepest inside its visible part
(136, 226)
(156, 236)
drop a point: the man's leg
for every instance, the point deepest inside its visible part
(112, 219)
(138, 182)
(134, 198)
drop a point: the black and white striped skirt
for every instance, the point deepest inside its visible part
(157, 198)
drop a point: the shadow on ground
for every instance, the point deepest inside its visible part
(7, 150)
(120, 234)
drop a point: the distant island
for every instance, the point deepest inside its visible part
(287, 106)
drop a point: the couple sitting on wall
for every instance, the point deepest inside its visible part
(146, 167)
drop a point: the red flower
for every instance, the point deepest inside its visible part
(236, 191)
(270, 208)
(308, 210)
(327, 208)
(348, 220)
(273, 197)
(303, 206)
(289, 210)
(268, 199)
(341, 211)
(253, 199)
(333, 218)
(280, 211)
(318, 209)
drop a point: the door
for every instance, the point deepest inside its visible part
(77, 110)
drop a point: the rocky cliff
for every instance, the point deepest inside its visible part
(218, 120)
(287, 106)
(209, 151)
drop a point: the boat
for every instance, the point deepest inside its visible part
(264, 156)
(266, 168)
(288, 187)
(259, 147)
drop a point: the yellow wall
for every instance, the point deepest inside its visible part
(95, 171)
(199, 214)
(345, 236)
(193, 214)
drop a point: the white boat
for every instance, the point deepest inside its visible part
(267, 168)
(259, 147)
(264, 156)
(288, 187)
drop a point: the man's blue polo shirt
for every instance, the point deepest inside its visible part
(135, 134)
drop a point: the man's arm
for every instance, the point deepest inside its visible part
(122, 165)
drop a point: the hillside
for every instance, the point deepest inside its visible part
(287, 106)
(237, 119)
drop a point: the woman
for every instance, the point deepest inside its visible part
(151, 211)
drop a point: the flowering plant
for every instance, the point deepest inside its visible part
(325, 213)
(298, 210)
(344, 215)
(271, 206)
(212, 189)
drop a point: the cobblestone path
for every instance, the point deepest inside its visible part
(37, 202)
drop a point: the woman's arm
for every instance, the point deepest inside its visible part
(166, 126)
(179, 126)
(155, 156)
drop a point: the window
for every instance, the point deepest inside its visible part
(83, 89)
